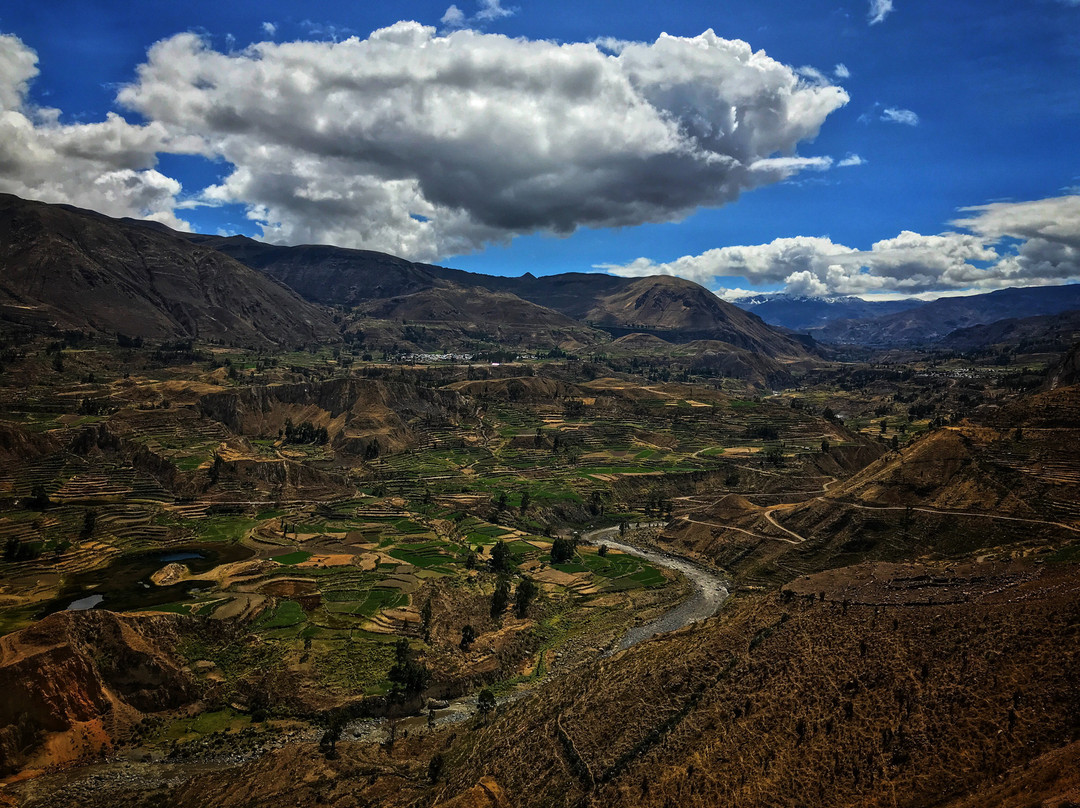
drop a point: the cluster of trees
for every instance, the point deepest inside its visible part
(563, 550)
(306, 432)
(656, 505)
(524, 596)
(407, 677)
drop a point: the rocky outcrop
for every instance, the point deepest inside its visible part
(72, 682)
(355, 412)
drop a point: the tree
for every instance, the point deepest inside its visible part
(825, 446)
(88, 525)
(215, 469)
(602, 551)
(425, 620)
(435, 767)
(468, 637)
(485, 702)
(524, 501)
(523, 598)
(500, 597)
(500, 503)
(500, 558)
(470, 561)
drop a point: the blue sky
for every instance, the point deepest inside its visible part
(944, 107)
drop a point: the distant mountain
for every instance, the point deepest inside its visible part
(930, 323)
(78, 269)
(666, 305)
(1045, 332)
(800, 313)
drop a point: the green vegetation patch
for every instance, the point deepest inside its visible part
(287, 613)
(227, 528)
(298, 557)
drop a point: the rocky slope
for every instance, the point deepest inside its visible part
(75, 681)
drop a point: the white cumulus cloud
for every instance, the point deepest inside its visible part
(1007, 244)
(108, 166)
(841, 71)
(429, 145)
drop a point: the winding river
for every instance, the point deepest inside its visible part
(710, 590)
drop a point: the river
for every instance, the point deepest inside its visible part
(710, 590)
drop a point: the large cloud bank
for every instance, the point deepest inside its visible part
(1005, 244)
(428, 145)
(108, 166)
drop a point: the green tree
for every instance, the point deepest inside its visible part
(435, 767)
(425, 620)
(485, 702)
(524, 501)
(500, 597)
(215, 469)
(468, 637)
(88, 525)
(38, 499)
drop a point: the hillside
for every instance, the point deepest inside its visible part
(452, 315)
(81, 270)
(667, 305)
(1011, 481)
(333, 276)
(675, 309)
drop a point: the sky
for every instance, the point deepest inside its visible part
(882, 148)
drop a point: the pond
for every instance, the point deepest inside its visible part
(124, 583)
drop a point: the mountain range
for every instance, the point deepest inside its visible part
(76, 269)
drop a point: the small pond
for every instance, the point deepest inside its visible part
(124, 584)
